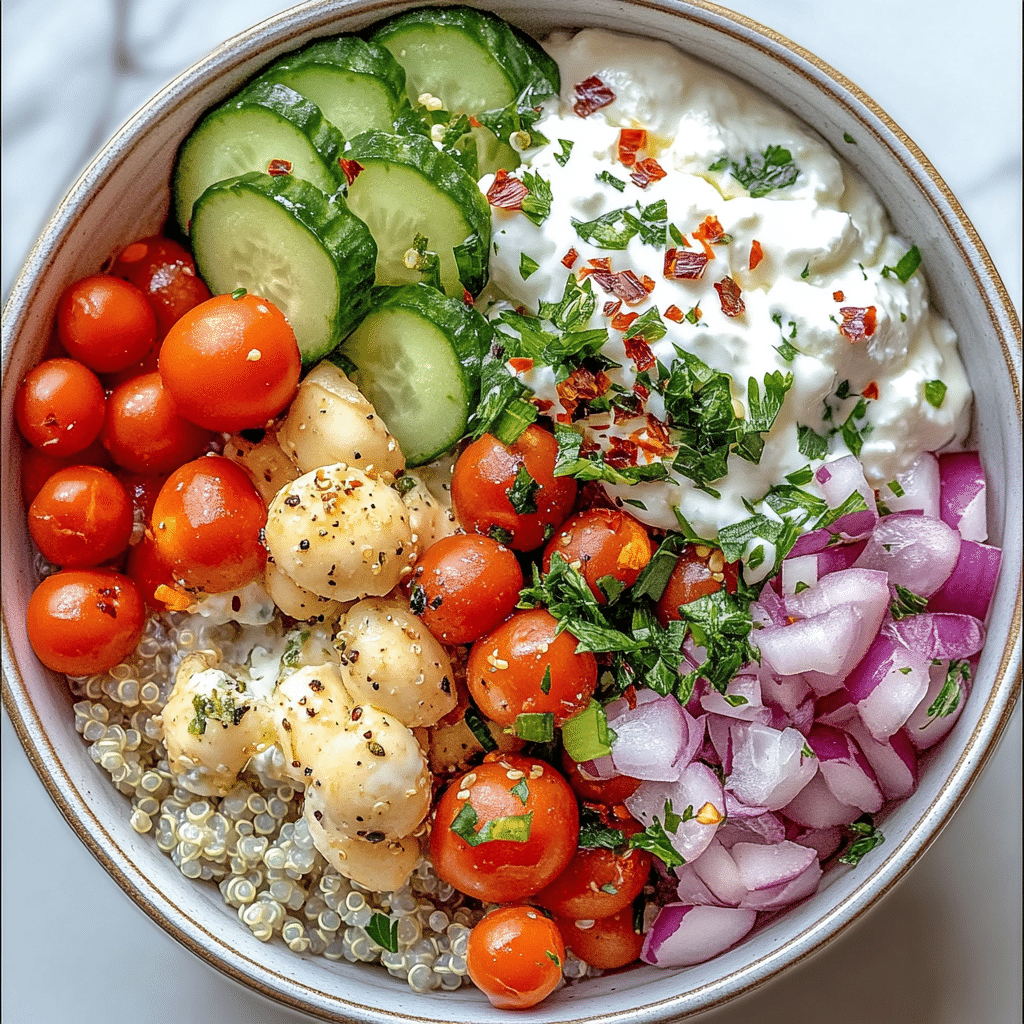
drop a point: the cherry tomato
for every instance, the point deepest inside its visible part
(525, 666)
(231, 364)
(598, 882)
(607, 943)
(514, 956)
(59, 406)
(82, 516)
(37, 466)
(149, 571)
(505, 829)
(147, 364)
(510, 492)
(598, 791)
(699, 572)
(463, 586)
(84, 621)
(602, 542)
(105, 322)
(143, 430)
(142, 489)
(207, 524)
(166, 273)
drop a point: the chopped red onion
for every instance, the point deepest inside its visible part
(893, 762)
(816, 807)
(744, 703)
(917, 552)
(802, 570)
(939, 635)
(962, 502)
(649, 739)
(920, 486)
(825, 841)
(835, 709)
(765, 828)
(718, 871)
(844, 768)
(787, 693)
(924, 730)
(769, 767)
(768, 609)
(761, 867)
(887, 685)
(682, 935)
(973, 582)
(837, 557)
(692, 891)
(838, 480)
(824, 644)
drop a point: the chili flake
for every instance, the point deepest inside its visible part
(631, 140)
(624, 285)
(350, 168)
(647, 171)
(674, 313)
(685, 266)
(278, 167)
(591, 94)
(570, 258)
(859, 322)
(622, 320)
(507, 192)
(521, 364)
(640, 352)
(756, 254)
(871, 391)
(729, 295)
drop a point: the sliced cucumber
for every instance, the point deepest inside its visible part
(357, 84)
(283, 239)
(417, 359)
(407, 188)
(264, 123)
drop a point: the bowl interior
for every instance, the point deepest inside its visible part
(124, 194)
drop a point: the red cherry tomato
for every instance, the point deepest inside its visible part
(602, 542)
(463, 586)
(166, 273)
(515, 956)
(598, 791)
(37, 466)
(147, 364)
(231, 364)
(143, 430)
(505, 829)
(207, 524)
(82, 516)
(510, 492)
(148, 571)
(525, 666)
(106, 323)
(84, 621)
(698, 573)
(142, 489)
(59, 407)
(607, 943)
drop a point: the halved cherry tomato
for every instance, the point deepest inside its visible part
(231, 363)
(37, 466)
(515, 956)
(700, 571)
(82, 516)
(145, 433)
(607, 943)
(208, 521)
(106, 323)
(598, 791)
(601, 543)
(525, 666)
(59, 406)
(83, 621)
(166, 273)
(510, 492)
(505, 829)
(463, 586)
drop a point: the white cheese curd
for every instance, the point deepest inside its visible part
(825, 243)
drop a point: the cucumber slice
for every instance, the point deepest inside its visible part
(283, 239)
(407, 188)
(357, 84)
(265, 122)
(417, 359)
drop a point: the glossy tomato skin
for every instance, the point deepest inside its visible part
(231, 364)
(602, 542)
(700, 571)
(515, 957)
(148, 571)
(37, 466)
(83, 621)
(105, 323)
(598, 791)
(82, 516)
(142, 489)
(166, 273)
(144, 432)
(484, 476)
(59, 407)
(207, 525)
(524, 666)
(607, 943)
(463, 586)
(534, 806)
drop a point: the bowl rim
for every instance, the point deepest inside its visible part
(279, 30)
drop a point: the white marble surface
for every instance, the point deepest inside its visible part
(944, 948)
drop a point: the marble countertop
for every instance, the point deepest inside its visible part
(943, 948)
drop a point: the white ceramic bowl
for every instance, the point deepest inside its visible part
(123, 195)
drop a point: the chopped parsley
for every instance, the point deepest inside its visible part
(719, 165)
(764, 173)
(655, 840)
(220, 706)
(565, 148)
(865, 837)
(426, 262)
(617, 228)
(935, 393)
(384, 931)
(528, 266)
(847, 137)
(609, 179)
(811, 444)
(947, 700)
(513, 828)
(471, 263)
(522, 494)
(537, 205)
(478, 727)
(908, 263)
(906, 603)
(595, 834)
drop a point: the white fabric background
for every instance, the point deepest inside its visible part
(944, 948)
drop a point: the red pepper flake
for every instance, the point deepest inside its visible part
(685, 266)
(756, 254)
(507, 192)
(648, 283)
(582, 386)
(467, 297)
(641, 392)
(350, 168)
(591, 94)
(543, 405)
(656, 442)
(839, 296)
(278, 167)
(858, 322)
(640, 352)
(871, 391)
(621, 452)
(570, 258)
(622, 320)
(521, 364)
(709, 231)
(600, 263)
(647, 171)
(675, 314)
(631, 140)
(729, 295)
(474, 123)
(611, 308)
(629, 693)
(624, 285)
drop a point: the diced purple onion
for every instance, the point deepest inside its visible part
(762, 867)
(682, 935)
(769, 767)
(599, 770)
(925, 731)
(893, 762)
(917, 552)
(785, 692)
(941, 635)
(845, 770)
(718, 871)
(692, 891)
(837, 557)
(811, 543)
(823, 643)
(962, 501)
(920, 485)
(825, 841)
(768, 609)
(887, 685)
(803, 569)
(745, 705)
(765, 828)
(835, 709)
(649, 739)
(970, 588)
(816, 807)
